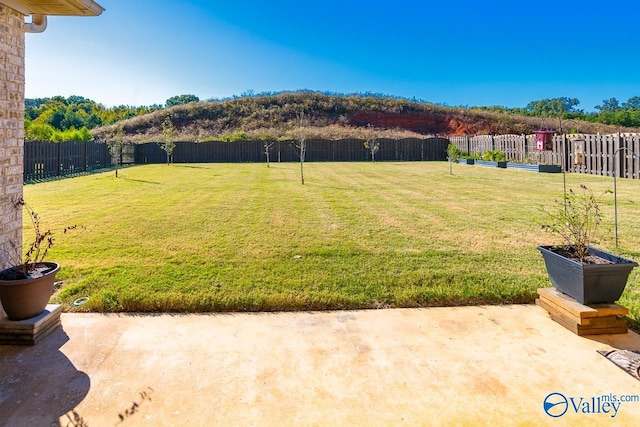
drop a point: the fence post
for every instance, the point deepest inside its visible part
(565, 154)
(621, 169)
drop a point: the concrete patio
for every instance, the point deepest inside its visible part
(489, 365)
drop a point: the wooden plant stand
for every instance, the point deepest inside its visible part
(595, 319)
(30, 331)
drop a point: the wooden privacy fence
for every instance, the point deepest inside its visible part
(317, 150)
(602, 154)
(46, 160)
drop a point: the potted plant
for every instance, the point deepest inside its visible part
(493, 158)
(466, 160)
(575, 268)
(25, 288)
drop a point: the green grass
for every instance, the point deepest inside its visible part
(244, 237)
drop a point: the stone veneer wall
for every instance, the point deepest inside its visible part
(11, 131)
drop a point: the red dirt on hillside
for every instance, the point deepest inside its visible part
(428, 123)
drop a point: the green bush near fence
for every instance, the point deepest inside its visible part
(244, 237)
(494, 156)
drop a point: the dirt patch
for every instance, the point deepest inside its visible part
(432, 123)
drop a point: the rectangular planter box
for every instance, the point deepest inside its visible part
(490, 164)
(535, 168)
(466, 161)
(588, 283)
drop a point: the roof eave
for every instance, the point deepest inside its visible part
(55, 8)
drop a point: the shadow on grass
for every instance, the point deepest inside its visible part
(350, 189)
(140, 181)
(190, 166)
(65, 175)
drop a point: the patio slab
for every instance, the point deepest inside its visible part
(488, 365)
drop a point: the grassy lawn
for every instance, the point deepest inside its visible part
(244, 237)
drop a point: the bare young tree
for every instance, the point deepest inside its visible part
(301, 143)
(167, 132)
(267, 147)
(371, 143)
(116, 143)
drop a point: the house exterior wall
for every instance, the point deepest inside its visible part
(11, 132)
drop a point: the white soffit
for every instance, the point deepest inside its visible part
(55, 7)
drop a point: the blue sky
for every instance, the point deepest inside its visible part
(455, 53)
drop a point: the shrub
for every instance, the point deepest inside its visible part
(494, 156)
(474, 156)
(576, 220)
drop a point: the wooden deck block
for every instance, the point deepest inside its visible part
(582, 319)
(605, 321)
(30, 331)
(589, 330)
(569, 304)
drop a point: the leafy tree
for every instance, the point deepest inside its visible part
(453, 155)
(76, 112)
(93, 121)
(60, 100)
(632, 103)
(559, 108)
(38, 131)
(84, 134)
(553, 107)
(608, 105)
(76, 99)
(181, 99)
(71, 120)
(72, 134)
(56, 119)
(570, 104)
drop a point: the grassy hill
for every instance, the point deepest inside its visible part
(325, 116)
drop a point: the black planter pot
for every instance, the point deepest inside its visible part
(466, 161)
(588, 283)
